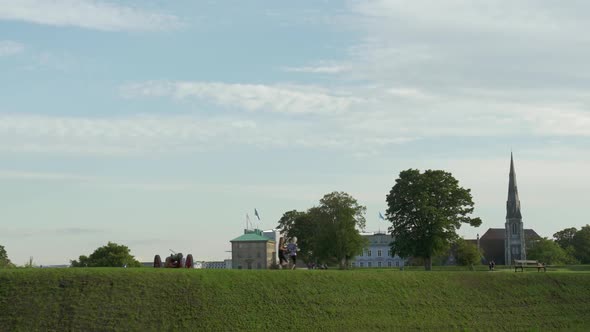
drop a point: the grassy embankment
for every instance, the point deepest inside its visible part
(165, 299)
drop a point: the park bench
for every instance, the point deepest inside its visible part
(522, 264)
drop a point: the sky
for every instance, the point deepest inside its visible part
(160, 124)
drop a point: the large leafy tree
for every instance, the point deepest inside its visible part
(111, 255)
(4, 261)
(328, 232)
(300, 225)
(338, 219)
(425, 210)
(581, 244)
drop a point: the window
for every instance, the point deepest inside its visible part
(397, 263)
(389, 263)
(352, 264)
(378, 264)
(258, 254)
(389, 253)
(362, 253)
(513, 228)
(361, 264)
(258, 266)
(369, 264)
(369, 252)
(379, 253)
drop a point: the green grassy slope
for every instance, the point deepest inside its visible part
(166, 299)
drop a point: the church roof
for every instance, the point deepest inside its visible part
(498, 234)
(513, 203)
(251, 235)
(493, 234)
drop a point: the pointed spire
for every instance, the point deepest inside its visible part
(513, 203)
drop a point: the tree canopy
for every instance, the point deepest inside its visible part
(425, 210)
(547, 251)
(565, 237)
(581, 244)
(328, 232)
(111, 255)
(467, 253)
(4, 261)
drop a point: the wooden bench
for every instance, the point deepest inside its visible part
(522, 264)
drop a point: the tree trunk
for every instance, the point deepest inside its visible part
(427, 263)
(343, 263)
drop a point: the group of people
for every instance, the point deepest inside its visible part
(491, 265)
(288, 253)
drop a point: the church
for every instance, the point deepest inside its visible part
(504, 245)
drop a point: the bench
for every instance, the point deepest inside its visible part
(522, 264)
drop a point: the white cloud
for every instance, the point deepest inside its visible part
(325, 69)
(251, 97)
(9, 47)
(88, 14)
(45, 176)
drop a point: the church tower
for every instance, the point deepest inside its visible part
(514, 245)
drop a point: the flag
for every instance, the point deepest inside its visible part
(256, 214)
(381, 216)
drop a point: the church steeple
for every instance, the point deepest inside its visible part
(513, 203)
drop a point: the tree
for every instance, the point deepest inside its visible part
(547, 251)
(425, 210)
(565, 238)
(338, 219)
(581, 244)
(327, 232)
(111, 255)
(4, 261)
(299, 224)
(467, 253)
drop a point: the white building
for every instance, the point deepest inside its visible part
(225, 264)
(378, 253)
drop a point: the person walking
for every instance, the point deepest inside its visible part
(292, 249)
(283, 262)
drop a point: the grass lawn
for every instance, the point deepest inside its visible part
(144, 299)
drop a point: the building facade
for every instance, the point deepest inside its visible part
(378, 253)
(252, 250)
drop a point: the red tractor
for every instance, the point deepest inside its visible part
(174, 261)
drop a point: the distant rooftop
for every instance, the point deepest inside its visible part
(251, 235)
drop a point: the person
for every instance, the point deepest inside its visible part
(493, 265)
(282, 253)
(292, 249)
(490, 265)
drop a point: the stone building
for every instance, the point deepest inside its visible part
(252, 250)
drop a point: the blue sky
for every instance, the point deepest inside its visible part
(160, 124)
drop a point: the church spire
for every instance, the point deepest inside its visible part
(513, 203)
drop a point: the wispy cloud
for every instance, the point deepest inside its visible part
(251, 97)
(9, 47)
(45, 176)
(88, 14)
(325, 69)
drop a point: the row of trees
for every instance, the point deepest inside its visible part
(568, 246)
(426, 209)
(111, 255)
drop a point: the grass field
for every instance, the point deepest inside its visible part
(146, 299)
